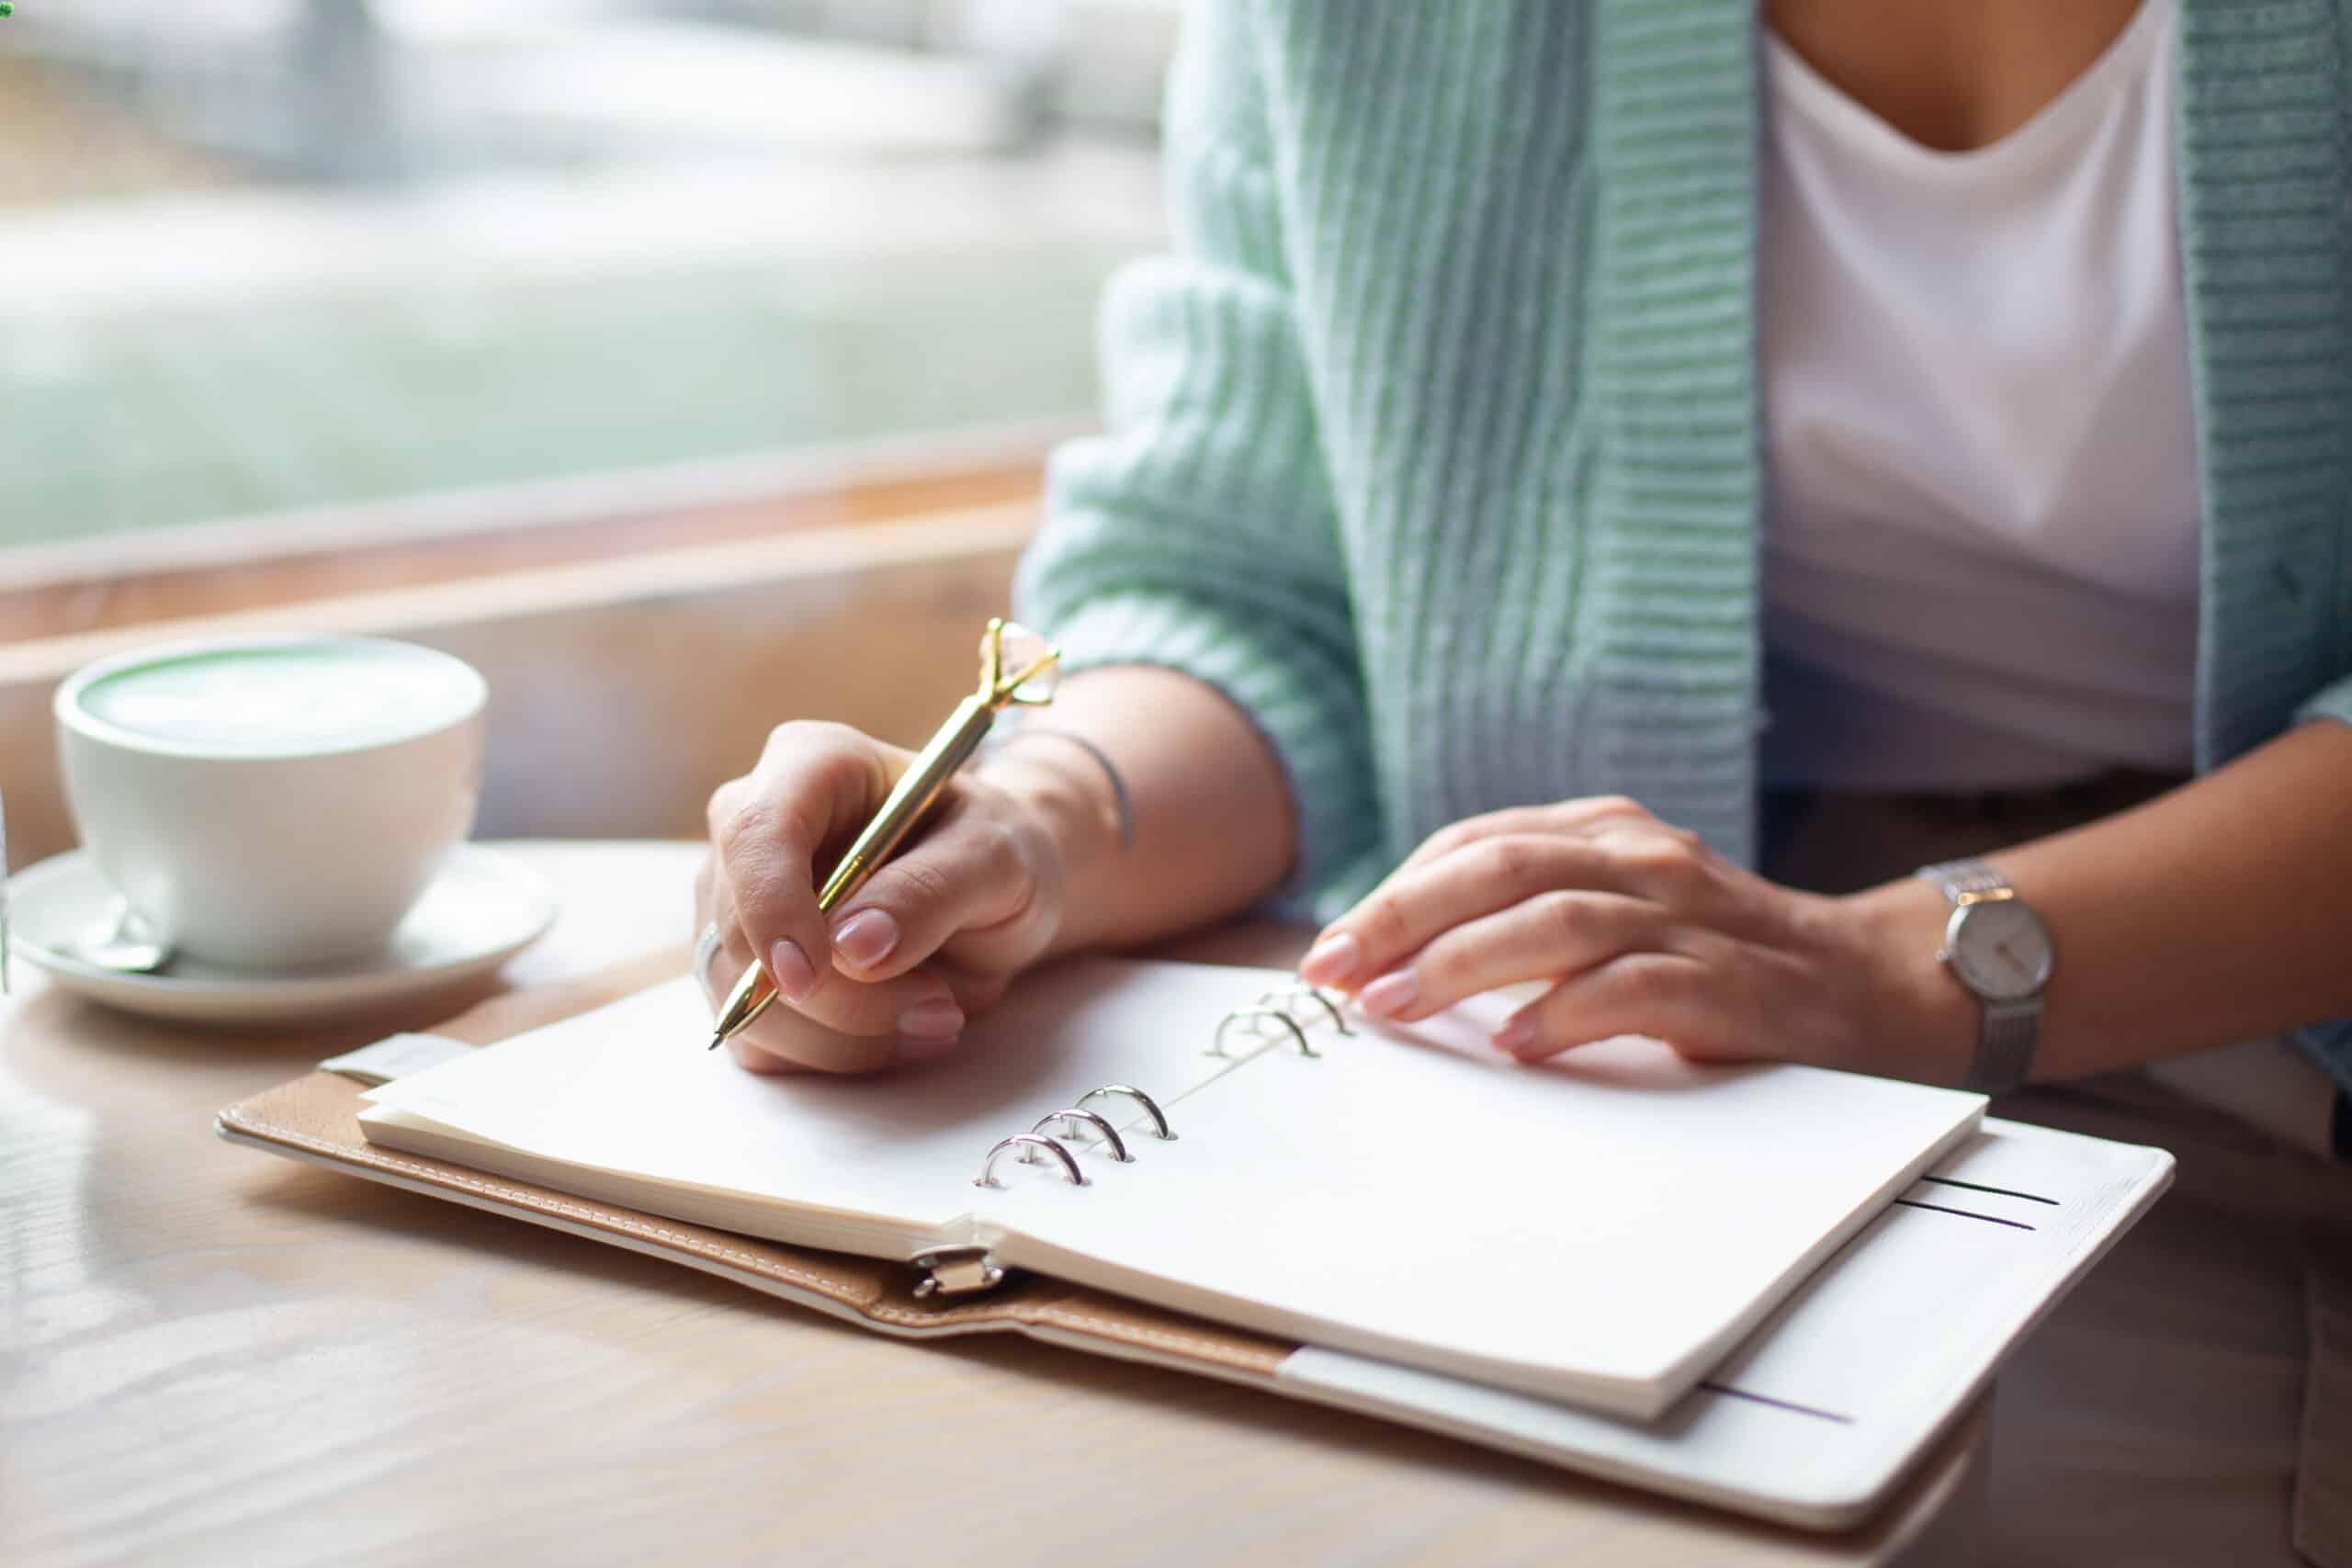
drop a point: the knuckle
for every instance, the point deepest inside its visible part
(1516, 863)
(722, 806)
(1672, 858)
(1025, 844)
(1444, 966)
(923, 886)
(829, 754)
(1447, 839)
(1650, 984)
(1384, 918)
(804, 735)
(1559, 920)
(998, 846)
(1603, 807)
(747, 824)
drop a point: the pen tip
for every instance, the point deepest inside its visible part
(715, 1042)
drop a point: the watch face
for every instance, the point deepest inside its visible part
(2000, 948)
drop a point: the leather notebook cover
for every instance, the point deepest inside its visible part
(1729, 1449)
(314, 1118)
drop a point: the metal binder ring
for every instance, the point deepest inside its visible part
(1304, 992)
(1152, 1107)
(1072, 1113)
(1258, 1018)
(1030, 1140)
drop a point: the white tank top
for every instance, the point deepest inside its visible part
(1980, 554)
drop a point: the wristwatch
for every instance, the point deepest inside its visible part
(1999, 948)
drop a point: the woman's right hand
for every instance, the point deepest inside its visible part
(930, 939)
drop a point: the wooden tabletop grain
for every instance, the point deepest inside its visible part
(208, 1356)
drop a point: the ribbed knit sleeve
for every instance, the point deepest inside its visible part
(2333, 701)
(1198, 534)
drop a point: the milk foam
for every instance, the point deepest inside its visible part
(270, 701)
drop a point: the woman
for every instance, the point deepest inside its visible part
(1604, 494)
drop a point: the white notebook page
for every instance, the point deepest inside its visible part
(630, 1088)
(1600, 1228)
(1813, 1418)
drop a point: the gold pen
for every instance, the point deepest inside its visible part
(949, 750)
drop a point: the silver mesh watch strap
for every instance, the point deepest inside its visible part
(1959, 878)
(2005, 1050)
(2011, 1029)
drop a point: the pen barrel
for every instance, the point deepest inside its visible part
(950, 749)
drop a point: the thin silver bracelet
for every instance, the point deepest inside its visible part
(4, 900)
(1122, 802)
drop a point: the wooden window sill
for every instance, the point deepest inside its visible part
(636, 658)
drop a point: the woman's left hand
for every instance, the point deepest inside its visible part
(1642, 930)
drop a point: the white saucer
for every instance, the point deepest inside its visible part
(480, 911)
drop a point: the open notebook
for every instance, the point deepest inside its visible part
(1601, 1229)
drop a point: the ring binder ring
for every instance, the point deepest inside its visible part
(1026, 1141)
(1261, 1016)
(1304, 992)
(1072, 1113)
(1150, 1106)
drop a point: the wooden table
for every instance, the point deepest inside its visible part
(210, 1355)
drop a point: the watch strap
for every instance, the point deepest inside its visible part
(2005, 1047)
(2011, 1029)
(1965, 879)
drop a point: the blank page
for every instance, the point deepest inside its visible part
(1598, 1229)
(1601, 1228)
(630, 1089)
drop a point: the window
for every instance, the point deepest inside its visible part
(688, 365)
(270, 258)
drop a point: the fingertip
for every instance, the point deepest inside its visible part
(934, 1025)
(1517, 1035)
(1392, 996)
(1332, 961)
(789, 967)
(863, 940)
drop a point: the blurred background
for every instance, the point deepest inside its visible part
(266, 254)
(611, 341)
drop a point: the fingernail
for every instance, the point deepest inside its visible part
(1516, 1031)
(790, 969)
(866, 938)
(1390, 994)
(935, 1023)
(1332, 959)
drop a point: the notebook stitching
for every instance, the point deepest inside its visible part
(1050, 1311)
(1113, 1328)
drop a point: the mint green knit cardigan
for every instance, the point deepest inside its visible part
(1435, 444)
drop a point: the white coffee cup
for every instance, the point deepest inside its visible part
(273, 803)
